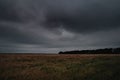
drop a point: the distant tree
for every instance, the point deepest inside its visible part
(61, 52)
(97, 51)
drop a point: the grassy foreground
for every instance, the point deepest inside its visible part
(59, 67)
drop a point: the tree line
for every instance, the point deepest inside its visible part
(97, 51)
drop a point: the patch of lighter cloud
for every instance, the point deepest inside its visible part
(66, 34)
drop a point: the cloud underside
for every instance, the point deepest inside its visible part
(58, 25)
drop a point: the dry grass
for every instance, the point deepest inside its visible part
(59, 67)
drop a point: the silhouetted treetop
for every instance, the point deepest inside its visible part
(97, 51)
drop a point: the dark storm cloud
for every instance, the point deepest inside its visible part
(89, 17)
(7, 13)
(20, 33)
(85, 16)
(53, 25)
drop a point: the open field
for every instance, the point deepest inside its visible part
(59, 67)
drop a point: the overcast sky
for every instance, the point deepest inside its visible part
(50, 26)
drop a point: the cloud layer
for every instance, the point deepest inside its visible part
(53, 25)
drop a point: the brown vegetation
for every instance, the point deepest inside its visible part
(59, 67)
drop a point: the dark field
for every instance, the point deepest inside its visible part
(59, 67)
